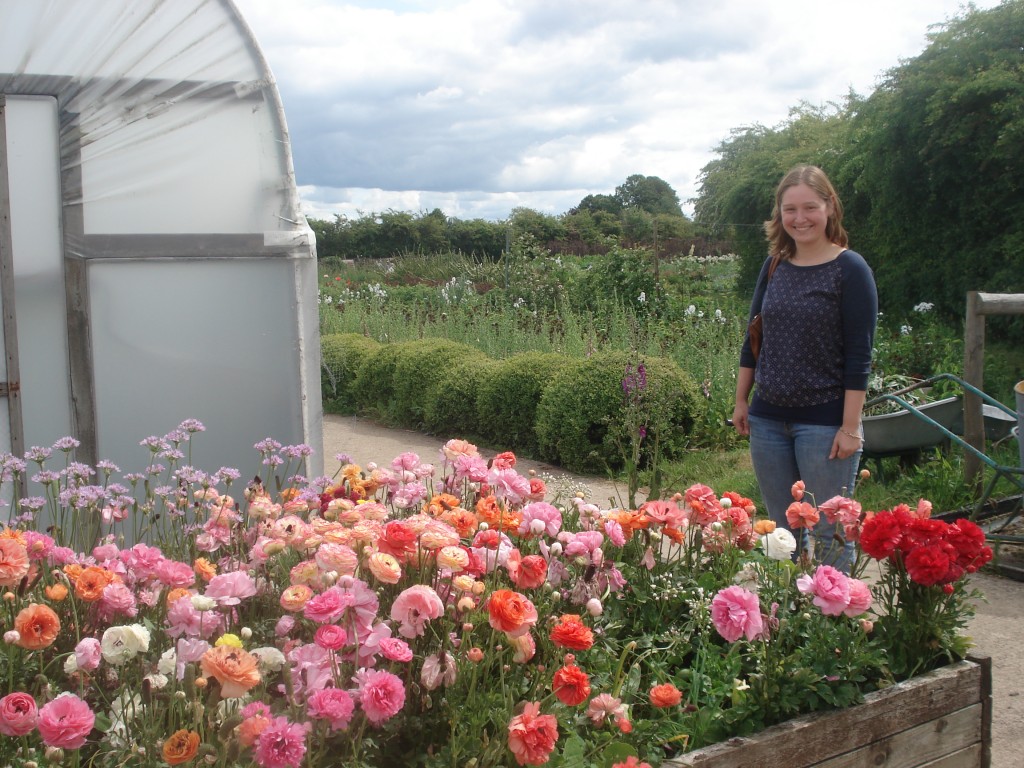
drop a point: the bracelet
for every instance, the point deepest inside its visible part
(850, 434)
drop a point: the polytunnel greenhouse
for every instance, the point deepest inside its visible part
(156, 266)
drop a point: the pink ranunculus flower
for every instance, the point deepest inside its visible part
(88, 654)
(830, 588)
(414, 608)
(393, 649)
(508, 485)
(860, 598)
(328, 606)
(381, 694)
(333, 705)
(438, 669)
(282, 744)
(532, 736)
(65, 722)
(231, 588)
(604, 706)
(736, 612)
(18, 714)
(547, 514)
(330, 637)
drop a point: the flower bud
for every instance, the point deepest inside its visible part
(594, 607)
(725, 502)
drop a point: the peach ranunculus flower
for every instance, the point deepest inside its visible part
(800, 514)
(37, 626)
(532, 736)
(455, 448)
(204, 569)
(182, 746)
(511, 612)
(235, 669)
(384, 567)
(798, 490)
(13, 562)
(295, 597)
(764, 526)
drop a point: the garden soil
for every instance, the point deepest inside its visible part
(997, 629)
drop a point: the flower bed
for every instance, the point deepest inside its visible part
(436, 614)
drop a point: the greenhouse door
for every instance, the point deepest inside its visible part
(35, 387)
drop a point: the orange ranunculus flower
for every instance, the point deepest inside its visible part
(462, 520)
(571, 632)
(236, 669)
(15, 534)
(181, 747)
(764, 526)
(204, 569)
(176, 594)
(630, 519)
(511, 612)
(571, 685)
(38, 626)
(440, 504)
(92, 581)
(665, 695)
(13, 562)
(56, 592)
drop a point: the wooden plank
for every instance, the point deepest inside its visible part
(1001, 303)
(917, 746)
(965, 758)
(811, 739)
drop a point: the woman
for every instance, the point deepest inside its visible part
(818, 310)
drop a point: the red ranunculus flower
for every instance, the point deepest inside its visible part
(881, 535)
(571, 632)
(928, 564)
(969, 541)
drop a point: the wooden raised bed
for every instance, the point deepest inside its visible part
(940, 720)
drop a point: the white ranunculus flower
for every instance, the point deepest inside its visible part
(270, 658)
(122, 644)
(203, 603)
(168, 662)
(779, 544)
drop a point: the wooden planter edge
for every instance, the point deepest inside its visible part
(911, 711)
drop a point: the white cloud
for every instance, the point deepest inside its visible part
(477, 106)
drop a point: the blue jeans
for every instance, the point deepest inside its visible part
(782, 453)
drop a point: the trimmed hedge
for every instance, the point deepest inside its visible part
(580, 417)
(572, 412)
(342, 354)
(509, 394)
(450, 405)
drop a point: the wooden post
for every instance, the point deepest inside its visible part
(974, 372)
(978, 306)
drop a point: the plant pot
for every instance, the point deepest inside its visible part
(943, 718)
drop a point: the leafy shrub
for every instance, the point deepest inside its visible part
(341, 355)
(508, 398)
(450, 405)
(374, 387)
(586, 423)
(419, 366)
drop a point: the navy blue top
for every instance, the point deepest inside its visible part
(818, 330)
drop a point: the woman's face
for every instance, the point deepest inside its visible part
(804, 215)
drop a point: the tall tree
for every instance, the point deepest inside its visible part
(648, 193)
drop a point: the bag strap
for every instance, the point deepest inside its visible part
(775, 262)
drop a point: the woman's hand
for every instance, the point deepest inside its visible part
(740, 422)
(844, 445)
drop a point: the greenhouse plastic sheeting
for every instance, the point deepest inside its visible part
(156, 265)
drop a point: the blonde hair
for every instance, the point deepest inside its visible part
(779, 241)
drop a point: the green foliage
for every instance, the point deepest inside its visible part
(451, 404)
(648, 193)
(341, 356)
(580, 421)
(419, 367)
(508, 396)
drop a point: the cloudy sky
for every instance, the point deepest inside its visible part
(478, 106)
